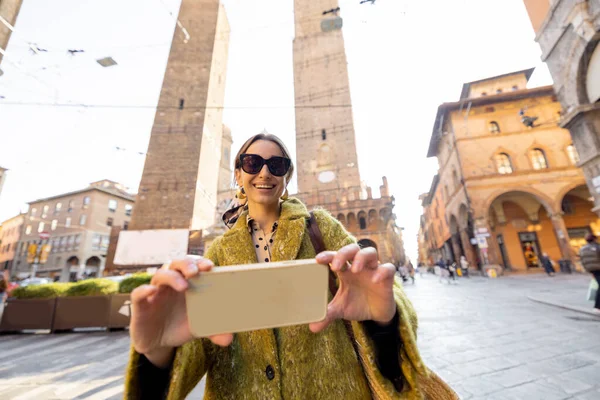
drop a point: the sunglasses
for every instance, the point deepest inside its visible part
(253, 163)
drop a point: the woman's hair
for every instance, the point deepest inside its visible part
(270, 138)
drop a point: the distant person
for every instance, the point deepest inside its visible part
(590, 258)
(547, 264)
(464, 266)
(411, 272)
(451, 267)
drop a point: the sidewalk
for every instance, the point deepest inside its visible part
(571, 296)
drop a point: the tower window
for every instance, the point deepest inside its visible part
(498, 91)
(323, 134)
(181, 103)
(514, 88)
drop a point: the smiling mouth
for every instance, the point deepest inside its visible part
(264, 186)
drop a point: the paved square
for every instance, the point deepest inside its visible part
(483, 336)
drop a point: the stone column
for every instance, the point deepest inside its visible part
(456, 247)
(468, 248)
(562, 236)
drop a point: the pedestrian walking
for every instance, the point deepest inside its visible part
(464, 266)
(590, 258)
(421, 268)
(411, 272)
(451, 267)
(295, 362)
(547, 263)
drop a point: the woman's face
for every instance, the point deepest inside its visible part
(263, 188)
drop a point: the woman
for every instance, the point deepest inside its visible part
(299, 362)
(464, 265)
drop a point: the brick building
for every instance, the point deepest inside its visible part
(9, 10)
(327, 163)
(568, 32)
(79, 225)
(10, 234)
(508, 177)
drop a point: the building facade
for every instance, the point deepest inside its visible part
(434, 226)
(10, 235)
(78, 225)
(326, 157)
(2, 178)
(568, 32)
(509, 176)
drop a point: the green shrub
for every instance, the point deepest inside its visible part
(92, 287)
(45, 291)
(128, 284)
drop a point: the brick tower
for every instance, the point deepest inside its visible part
(327, 164)
(325, 144)
(179, 185)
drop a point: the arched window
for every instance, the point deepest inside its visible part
(538, 159)
(494, 127)
(498, 91)
(573, 154)
(514, 88)
(503, 163)
(483, 93)
(362, 222)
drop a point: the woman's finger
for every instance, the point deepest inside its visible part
(325, 257)
(365, 258)
(344, 255)
(222, 340)
(142, 293)
(190, 267)
(170, 278)
(384, 272)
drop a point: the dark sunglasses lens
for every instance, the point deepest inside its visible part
(252, 164)
(279, 166)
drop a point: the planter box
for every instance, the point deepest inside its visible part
(117, 320)
(20, 314)
(81, 312)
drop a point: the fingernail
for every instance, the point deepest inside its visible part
(181, 283)
(192, 268)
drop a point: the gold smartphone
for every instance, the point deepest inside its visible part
(257, 296)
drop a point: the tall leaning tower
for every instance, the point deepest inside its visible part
(328, 174)
(179, 187)
(325, 143)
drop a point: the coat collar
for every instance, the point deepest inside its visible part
(288, 239)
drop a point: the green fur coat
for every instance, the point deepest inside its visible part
(302, 365)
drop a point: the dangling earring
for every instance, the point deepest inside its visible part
(240, 194)
(285, 195)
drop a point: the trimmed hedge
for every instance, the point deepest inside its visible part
(128, 284)
(92, 287)
(45, 291)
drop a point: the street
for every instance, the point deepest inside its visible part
(483, 336)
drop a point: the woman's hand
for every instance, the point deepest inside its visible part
(365, 290)
(159, 320)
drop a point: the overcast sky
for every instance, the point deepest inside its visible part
(405, 57)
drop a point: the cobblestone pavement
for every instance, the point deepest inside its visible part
(481, 335)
